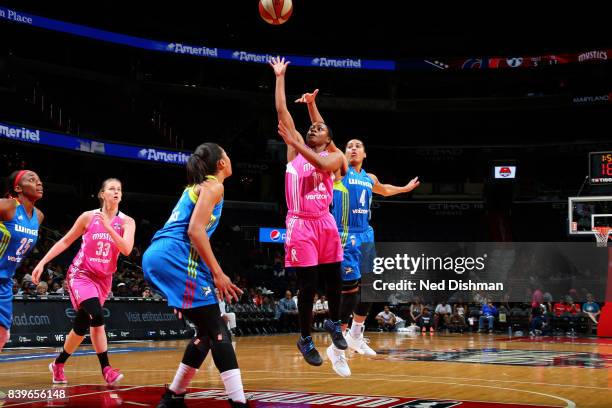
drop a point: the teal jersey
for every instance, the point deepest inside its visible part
(17, 238)
(351, 203)
(177, 225)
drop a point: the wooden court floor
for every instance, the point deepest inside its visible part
(487, 368)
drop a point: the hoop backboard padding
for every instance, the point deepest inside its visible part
(602, 234)
(581, 209)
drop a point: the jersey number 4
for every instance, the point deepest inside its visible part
(362, 198)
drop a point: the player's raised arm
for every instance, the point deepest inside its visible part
(313, 111)
(280, 101)
(389, 189)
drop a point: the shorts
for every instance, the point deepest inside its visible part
(83, 286)
(175, 269)
(6, 302)
(359, 254)
(312, 241)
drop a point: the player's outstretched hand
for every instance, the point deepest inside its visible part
(279, 65)
(414, 183)
(308, 97)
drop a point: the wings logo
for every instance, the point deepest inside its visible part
(206, 290)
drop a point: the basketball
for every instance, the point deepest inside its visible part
(275, 12)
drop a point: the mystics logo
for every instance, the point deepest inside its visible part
(275, 235)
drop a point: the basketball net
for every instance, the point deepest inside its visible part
(602, 234)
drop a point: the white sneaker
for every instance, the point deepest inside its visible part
(359, 344)
(338, 360)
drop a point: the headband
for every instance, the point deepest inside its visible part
(18, 177)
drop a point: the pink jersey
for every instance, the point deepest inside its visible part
(99, 253)
(308, 191)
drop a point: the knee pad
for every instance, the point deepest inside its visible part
(196, 352)
(81, 323)
(94, 309)
(224, 356)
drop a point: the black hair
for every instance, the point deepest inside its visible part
(10, 185)
(329, 132)
(203, 162)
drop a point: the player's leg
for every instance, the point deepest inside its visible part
(6, 310)
(307, 283)
(367, 253)
(72, 342)
(301, 253)
(212, 334)
(93, 307)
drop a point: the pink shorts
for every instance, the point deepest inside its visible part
(83, 287)
(312, 240)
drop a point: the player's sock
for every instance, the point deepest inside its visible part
(103, 357)
(182, 378)
(356, 329)
(63, 356)
(233, 385)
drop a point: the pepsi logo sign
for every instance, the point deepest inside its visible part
(275, 235)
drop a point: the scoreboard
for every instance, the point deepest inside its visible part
(600, 167)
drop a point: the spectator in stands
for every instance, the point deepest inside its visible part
(64, 289)
(456, 323)
(319, 313)
(573, 313)
(425, 322)
(386, 320)
(55, 287)
(487, 313)
(287, 313)
(15, 286)
(592, 311)
(122, 290)
(416, 310)
(537, 323)
(30, 289)
(146, 293)
(460, 310)
(443, 313)
(41, 289)
(257, 298)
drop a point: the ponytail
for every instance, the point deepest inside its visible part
(203, 162)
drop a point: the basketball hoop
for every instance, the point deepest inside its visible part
(602, 234)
